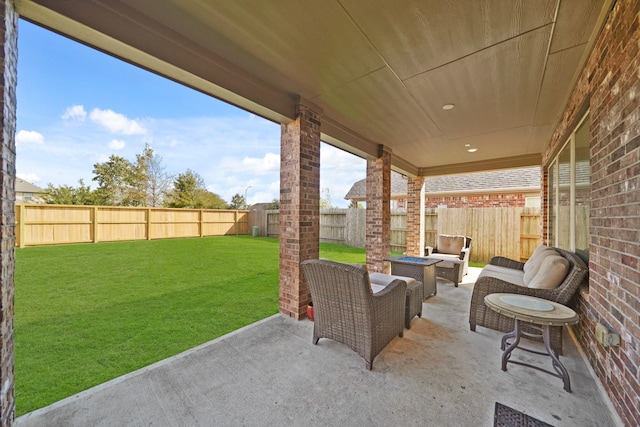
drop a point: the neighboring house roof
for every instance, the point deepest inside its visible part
(501, 181)
(358, 191)
(23, 186)
(260, 206)
(508, 180)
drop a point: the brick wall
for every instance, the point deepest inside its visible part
(478, 201)
(8, 30)
(378, 224)
(299, 207)
(610, 87)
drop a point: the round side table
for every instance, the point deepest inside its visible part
(540, 312)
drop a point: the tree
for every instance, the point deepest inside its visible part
(115, 178)
(238, 202)
(209, 200)
(189, 192)
(185, 189)
(325, 199)
(157, 182)
(275, 204)
(68, 195)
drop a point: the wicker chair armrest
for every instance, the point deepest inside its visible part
(391, 289)
(390, 299)
(428, 250)
(464, 254)
(501, 261)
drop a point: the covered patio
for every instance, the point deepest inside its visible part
(426, 88)
(269, 373)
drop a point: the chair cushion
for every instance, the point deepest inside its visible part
(532, 269)
(446, 258)
(552, 271)
(510, 275)
(377, 288)
(450, 244)
(384, 280)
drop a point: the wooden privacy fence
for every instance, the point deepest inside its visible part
(38, 224)
(510, 232)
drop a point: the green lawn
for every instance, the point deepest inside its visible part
(85, 314)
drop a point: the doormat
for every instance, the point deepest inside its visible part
(509, 417)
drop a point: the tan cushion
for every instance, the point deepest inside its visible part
(533, 258)
(386, 279)
(503, 273)
(533, 268)
(450, 244)
(551, 273)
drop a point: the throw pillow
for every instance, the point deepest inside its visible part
(534, 267)
(532, 259)
(552, 272)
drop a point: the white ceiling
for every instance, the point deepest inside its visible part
(379, 70)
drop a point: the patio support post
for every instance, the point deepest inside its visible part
(8, 77)
(378, 227)
(415, 216)
(299, 206)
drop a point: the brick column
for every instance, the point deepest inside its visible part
(378, 228)
(299, 207)
(9, 53)
(415, 216)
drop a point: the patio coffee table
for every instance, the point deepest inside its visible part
(540, 312)
(423, 269)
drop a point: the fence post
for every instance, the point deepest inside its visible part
(94, 224)
(21, 226)
(235, 221)
(201, 223)
(148, 224)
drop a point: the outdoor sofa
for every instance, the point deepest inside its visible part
(551, 273)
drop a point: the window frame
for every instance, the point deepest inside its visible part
(554, 190)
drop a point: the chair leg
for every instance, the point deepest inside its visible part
(369, 365)
(472, 327)
(315, 340)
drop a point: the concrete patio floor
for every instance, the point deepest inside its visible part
(269, 373)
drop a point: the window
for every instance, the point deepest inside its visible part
(569, 186)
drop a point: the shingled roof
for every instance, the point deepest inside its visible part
(524, 179)
(23, 186)
(358, 191)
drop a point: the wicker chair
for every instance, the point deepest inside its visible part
(346, 310)
(456, 260)
(480, 314)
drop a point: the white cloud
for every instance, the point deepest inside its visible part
(30, 177)
(116, 122)
(29, 137)
(75, 113)
(117, 144)
(269, 164)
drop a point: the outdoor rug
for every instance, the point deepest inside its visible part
(509, 417)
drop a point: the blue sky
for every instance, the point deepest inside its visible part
(78, 106)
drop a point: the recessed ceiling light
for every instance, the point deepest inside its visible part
(472, 150)
(448, 107)
(467, 145)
